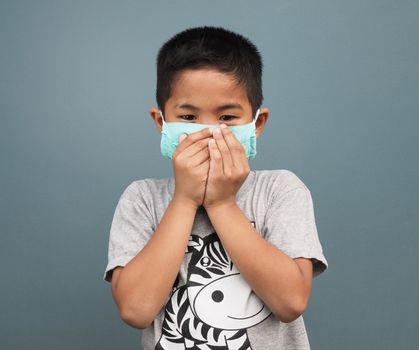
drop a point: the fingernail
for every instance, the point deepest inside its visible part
(216, 130)
(223, 126)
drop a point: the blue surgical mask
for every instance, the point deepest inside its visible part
(245, 133)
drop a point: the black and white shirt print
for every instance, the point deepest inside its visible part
(215, 307)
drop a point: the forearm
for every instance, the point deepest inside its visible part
(273, 276)
(146, 281)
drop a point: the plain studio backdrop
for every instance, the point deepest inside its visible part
(77, 79)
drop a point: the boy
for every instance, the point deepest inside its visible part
(220, 256)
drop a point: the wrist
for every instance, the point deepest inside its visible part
(225, 205)
(184, 202)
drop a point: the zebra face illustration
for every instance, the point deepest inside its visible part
(219, 296)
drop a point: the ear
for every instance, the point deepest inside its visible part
(155, 115)
(262, 120)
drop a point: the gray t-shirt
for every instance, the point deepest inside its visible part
(209, 288)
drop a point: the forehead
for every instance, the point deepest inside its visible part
(207, 88)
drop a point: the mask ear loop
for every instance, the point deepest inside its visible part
(161, 115)
(256, 116)
(162, 119)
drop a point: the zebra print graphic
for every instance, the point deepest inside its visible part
(215, 307)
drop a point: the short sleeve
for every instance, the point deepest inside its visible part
(131, 228)
(290, 226)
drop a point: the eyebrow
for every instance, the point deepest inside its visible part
(218, 109)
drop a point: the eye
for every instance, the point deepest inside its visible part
(229, 117)
(205, 261)
(187, 116)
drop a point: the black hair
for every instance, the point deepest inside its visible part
(210, 47)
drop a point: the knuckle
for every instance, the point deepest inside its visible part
(236, 147)
(176, 156)
(179, 162)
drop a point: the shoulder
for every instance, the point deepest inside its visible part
(280, 181)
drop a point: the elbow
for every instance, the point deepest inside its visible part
(133, 314)
(135, 319)
(287, 317)
(291, 312)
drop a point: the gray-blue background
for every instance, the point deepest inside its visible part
(77, 79)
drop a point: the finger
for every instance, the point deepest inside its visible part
(237, 151)
(228, 166)
(204, 167)
(192, 138)
(216, 160)
(195, 148)
(200, 157)
(182, 137)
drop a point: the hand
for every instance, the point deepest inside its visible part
(191, 166)
(228, 170)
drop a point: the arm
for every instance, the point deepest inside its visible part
(143, 285)
(283, 283)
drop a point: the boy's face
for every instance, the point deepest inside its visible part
(207, 96)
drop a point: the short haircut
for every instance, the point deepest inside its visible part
(210, 47)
